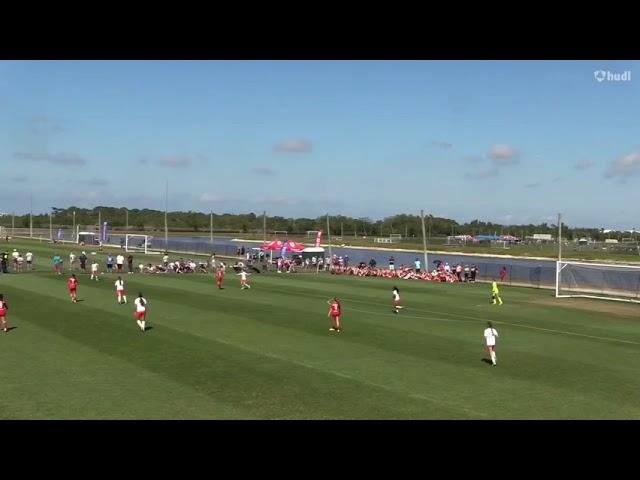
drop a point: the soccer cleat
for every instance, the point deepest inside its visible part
(332, 329)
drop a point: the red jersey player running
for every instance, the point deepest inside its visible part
(122, 297)
(141, 311)
(396, 300)
(334, 312)
(72, 284)
(219, 276)
(3, 313)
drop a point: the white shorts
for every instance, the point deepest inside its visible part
(392, 267)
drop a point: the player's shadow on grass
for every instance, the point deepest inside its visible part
(10, 328)
(79, 300)
(485, 360)
(147, 328)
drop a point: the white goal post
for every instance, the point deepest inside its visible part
(137, 243)
(598, 280)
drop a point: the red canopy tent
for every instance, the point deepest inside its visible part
(293, 246)
(274, 245)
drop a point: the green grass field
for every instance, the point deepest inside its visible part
(266, 353)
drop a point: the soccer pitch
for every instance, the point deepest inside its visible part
(267, 353)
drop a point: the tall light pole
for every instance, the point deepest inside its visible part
(166, 206)
(329, 237)
(264, 226)
(51, 226)
(558, 267)
(424, 243)
(31, 215)
(559, 237)
(13, 224)
(211, 227)
(74, 223)
(126, 210)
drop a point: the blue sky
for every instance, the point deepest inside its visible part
(507, 141)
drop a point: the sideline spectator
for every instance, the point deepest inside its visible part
(503, 274)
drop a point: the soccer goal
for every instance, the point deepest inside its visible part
(598, 280)
(312, 234)
(280, 232)
(395, 237)
(137, 243)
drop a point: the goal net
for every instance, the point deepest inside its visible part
(596, 280)
(137, 243)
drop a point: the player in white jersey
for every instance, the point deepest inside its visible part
(120, 262)
(396, 300)
(490, 335)
(122, 296)
(243, 280)
(29, 258)
(141, 311)
(72, 261)
(94, 270)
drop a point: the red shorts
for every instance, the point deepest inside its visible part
(396, 302)
(491, 348)
(335, 315)
(3, 312)
(120, 292)
(72, 290)
(141, 315)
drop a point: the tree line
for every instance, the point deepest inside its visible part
(191, 221)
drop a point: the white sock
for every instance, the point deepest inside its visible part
(143, 323)
(493, 357)
(139, 324)
(125, 299)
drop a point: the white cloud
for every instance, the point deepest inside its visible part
(58, 158)
(503, 155)
(583, 165)
(441, 144)
(175, 161)
(624, 167)
(294, 146)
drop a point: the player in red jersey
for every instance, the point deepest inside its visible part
(3, 313)
(72, 284)
(335, 311)
(396, 300)
(219, 276)
(141, 311)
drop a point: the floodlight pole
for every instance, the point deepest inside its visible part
(559, 237)
(51, 226)
(558, 265)
(126, 214)
(424, 243)
(13, 224)
(329, 237)
(74, 221)
(264, 226)
(211, 227)
(31, 215)
(166, 206)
